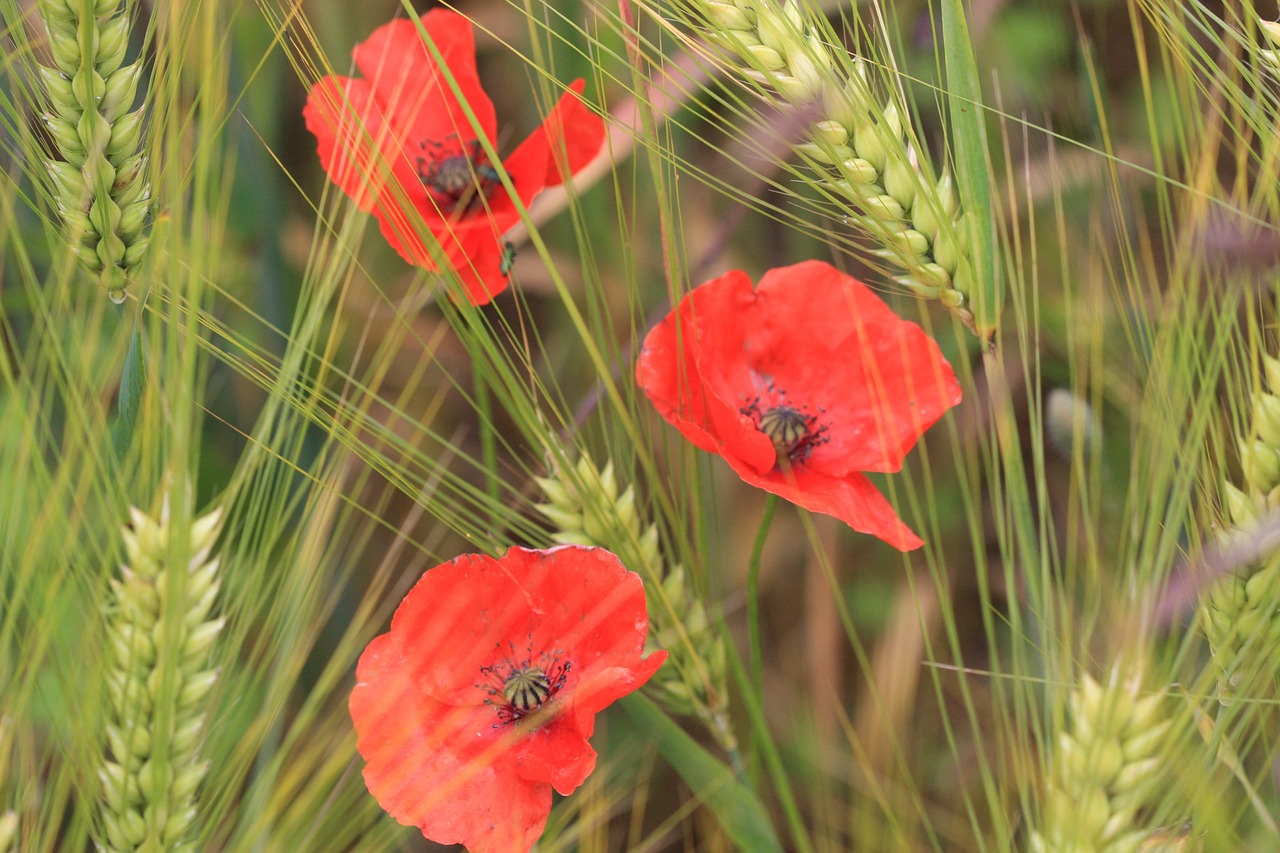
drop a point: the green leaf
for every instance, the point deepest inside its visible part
(969, 144)
(133, 379)
(736, 806)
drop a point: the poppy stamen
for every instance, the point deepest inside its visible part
(793, 431)
(459, 180)
(519, 689)
(526, 689)
(786, 428)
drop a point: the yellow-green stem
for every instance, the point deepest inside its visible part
(753, 599)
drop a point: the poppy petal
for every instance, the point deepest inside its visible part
(557, 754)
(842, 384)
(880, 378)
(667, 371)
(852, 498)
(395, 141)
(413, 88)
(427, 768)
(671, 371)
(571, 136)
(352, 137)
(575, 133)
(479, 271)
(445, 749)
(599, 611)
(459, 616)
(602, 688)
(472, 248)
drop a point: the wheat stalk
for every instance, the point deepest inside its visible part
(1239, 611)
(861, 146)
(158, 684)
(1105, 767)
(586, 506)
(1271, 29)
(100, 186)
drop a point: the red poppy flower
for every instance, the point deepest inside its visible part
(481, 698)
(400, 143)
(800, 384)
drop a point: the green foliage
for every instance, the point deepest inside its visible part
(1112, 191)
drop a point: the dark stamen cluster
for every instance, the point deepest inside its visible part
(519, 687)
(793, 431)
(456, 180)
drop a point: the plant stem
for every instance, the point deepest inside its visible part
(753, 599)
(488, 444)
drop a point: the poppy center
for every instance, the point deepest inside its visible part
(526, 689)
(793, 431)
(456, 174)
(786, 428)
(520, 688)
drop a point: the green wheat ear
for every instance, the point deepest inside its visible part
(1105, 767)
(584, 503)
(100, 186)
(160, 639)
(860, 147)
(1240, 611)
(1271, 29)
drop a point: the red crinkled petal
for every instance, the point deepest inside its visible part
(414, 90)
(726, 312)
(571, 131)
(440, 767)
(851, 498)
(438, 754)
(588, 604)
(353, 139)
(817, 340)
(557, 754)
(601, 688)
(472, 246)
(575, 133)
(459, 617)
(828, 339)
(667, 371)
(670, 372)
(479, 269)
